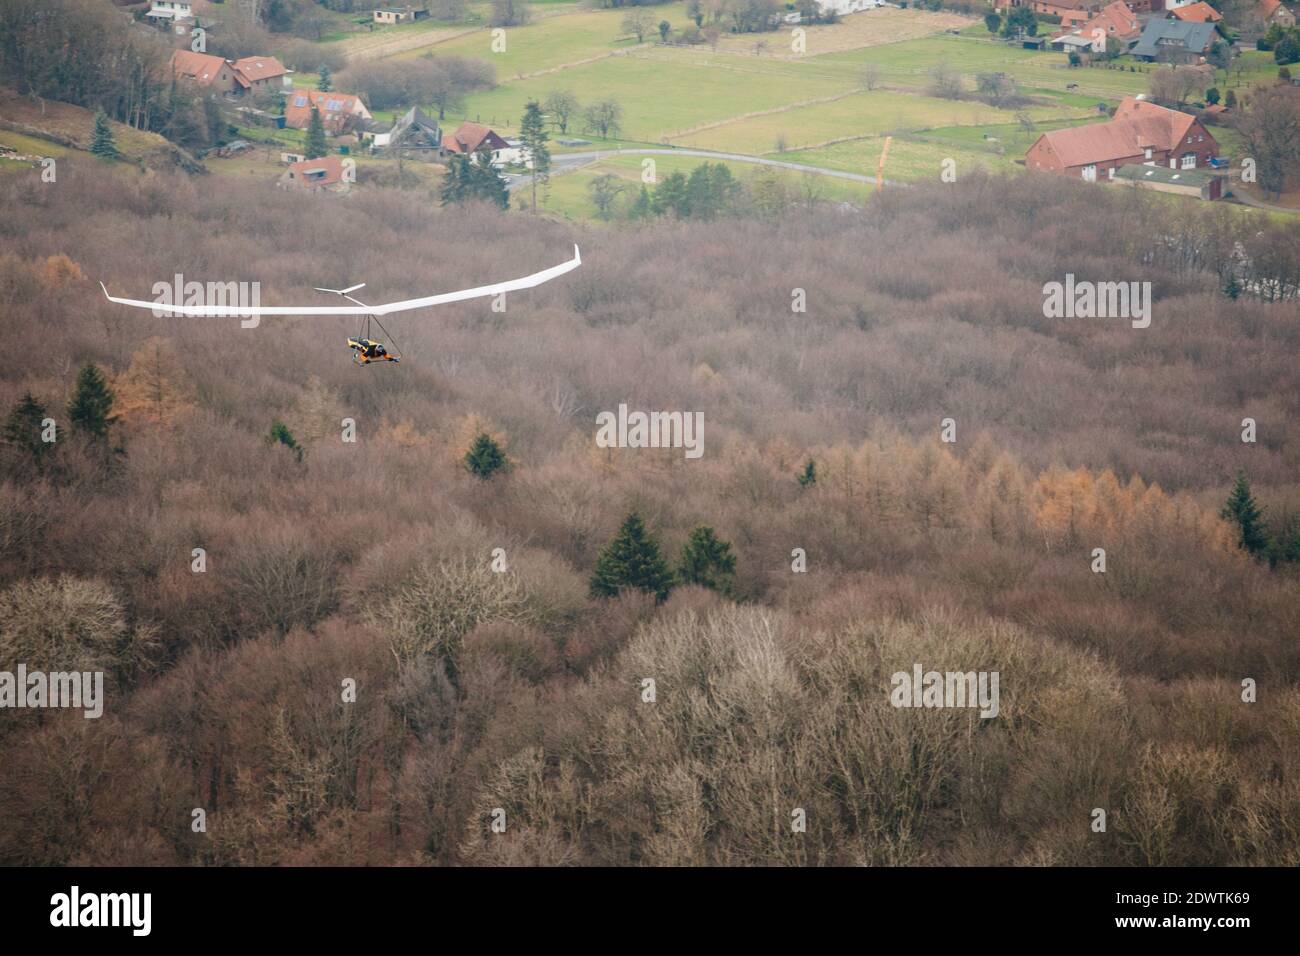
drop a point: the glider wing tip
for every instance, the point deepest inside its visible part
(577, 256)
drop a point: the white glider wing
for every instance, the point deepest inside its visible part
(218, 311)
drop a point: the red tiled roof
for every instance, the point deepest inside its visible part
(1137, 125)
(468, 137)
(260, 67)
(1267, 8)
(1167, 127)
(334, 108)
(328, 168)
(1199, 12)
(203, 68)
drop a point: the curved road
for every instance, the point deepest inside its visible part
(563, 162)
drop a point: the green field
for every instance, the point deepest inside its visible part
(910, 160)
(549, 42)
(660, 100)
(746, 103)
(868, 113)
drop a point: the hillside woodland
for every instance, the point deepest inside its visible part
(480, 688)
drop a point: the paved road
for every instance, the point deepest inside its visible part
(563, 162)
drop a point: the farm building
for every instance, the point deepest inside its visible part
(1114, 21)
(1072, 13)
(1140, 133)
(845, 7)
(328, 174)
(398, 14)
(414, 129)
(1174, 41)
(1183, 182)
(1071, 43)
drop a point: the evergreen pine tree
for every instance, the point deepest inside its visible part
(102, 143)
(488, 183)
(324, 81)
(631, 560)
(670, 196)
(23, 427)
(707, 560)
(213, 121)
(485, 457)
(474, 178)
(641, 206)
(1242, 510)
(809, 474)
(316, 144)
(91, 407)
(532, 132)
(280, 433)
(454, 182)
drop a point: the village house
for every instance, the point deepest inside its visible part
(1141, 133)
(210, 73)
(1114, 21)
(338, 111)
(178, 16)
(397, 14)
(1072, 13)
(213, 74)
(1072, 43)
(470, 138)
(413, 130)
(1174, 41)
(326, 174)
(170, 10)
(1199, 12)
(1273, 11)
(264, 73)
(843, 8)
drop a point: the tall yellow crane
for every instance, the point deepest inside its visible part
(880, 166)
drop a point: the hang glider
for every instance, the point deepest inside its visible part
(406, 305)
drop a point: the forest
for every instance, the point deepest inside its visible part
(496, 589)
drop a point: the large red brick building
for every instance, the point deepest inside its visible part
(1141, 133)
